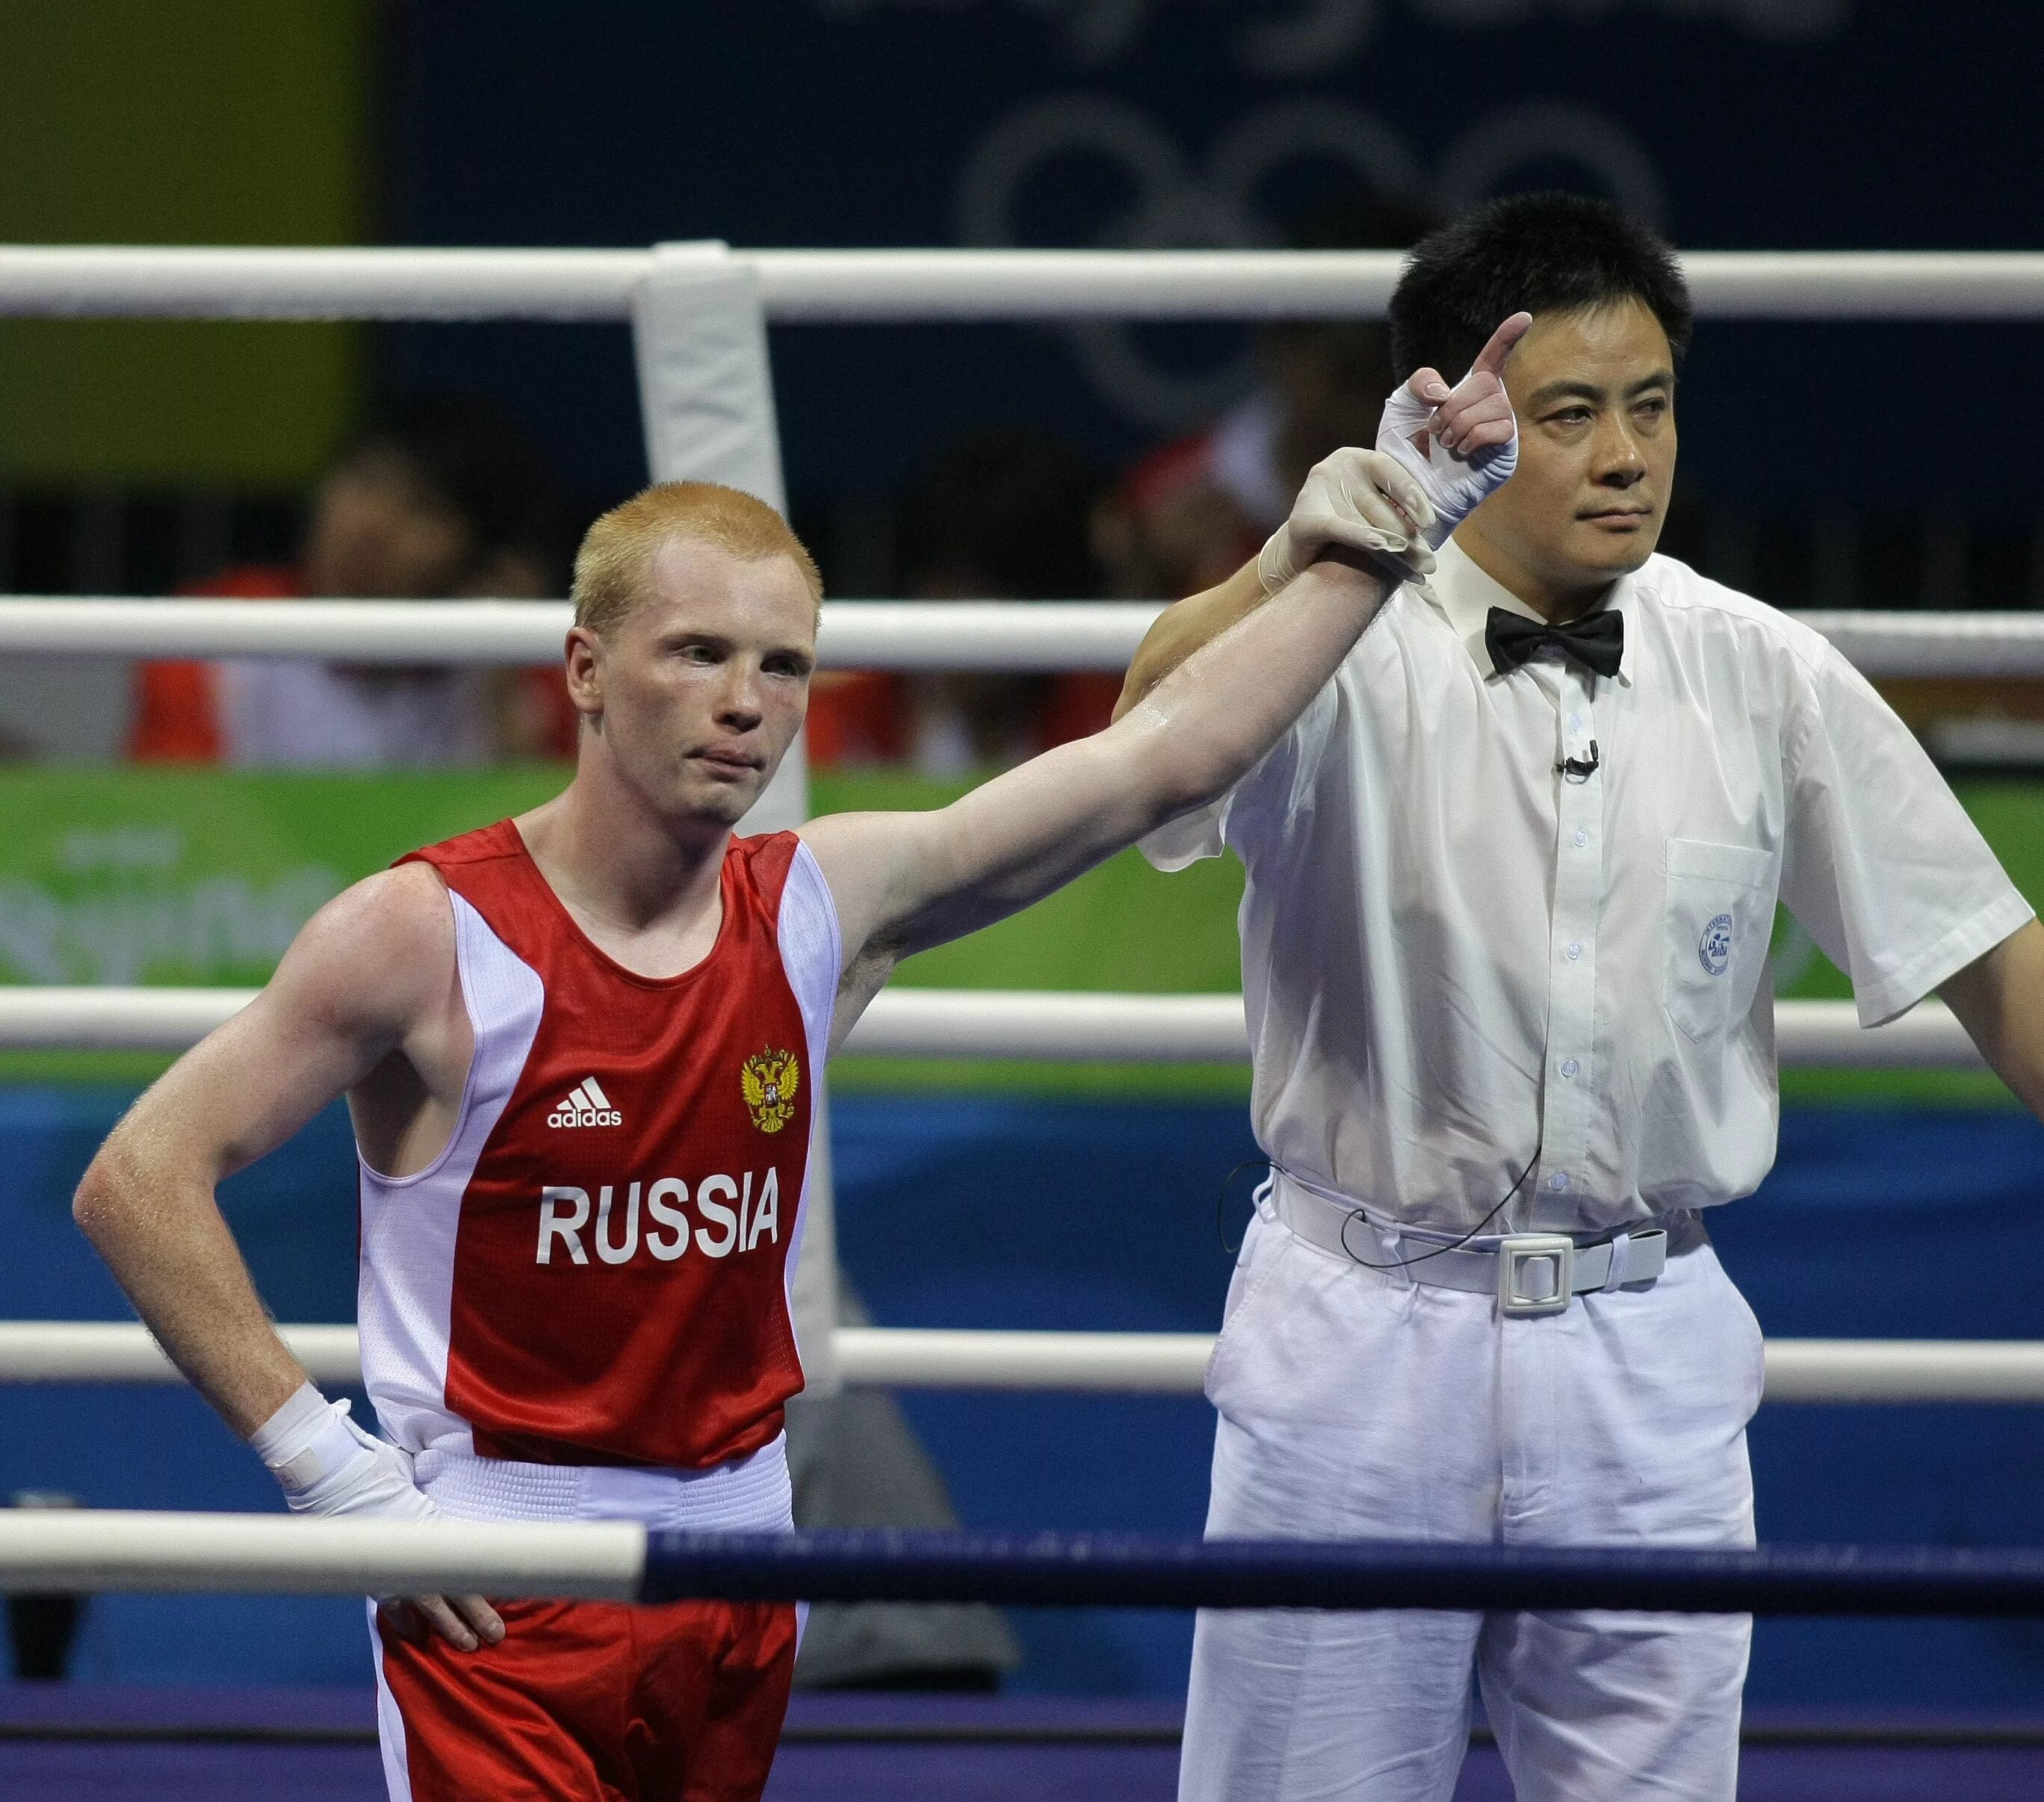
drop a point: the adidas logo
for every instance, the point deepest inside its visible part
(587, 1106)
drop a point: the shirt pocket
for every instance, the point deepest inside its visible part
(1720, 915)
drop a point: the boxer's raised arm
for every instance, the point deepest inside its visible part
(1183, 626)
(904, 881)
(1357, 504)
(366, 969)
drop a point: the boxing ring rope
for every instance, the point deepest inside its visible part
(894, 635)
(1061, 1026)
(868, 635)
(1799, 1371)
(66, 1551)
(844, 286)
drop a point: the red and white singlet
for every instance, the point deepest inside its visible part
(593, 1277)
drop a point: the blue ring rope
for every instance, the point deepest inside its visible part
(1135, 1570)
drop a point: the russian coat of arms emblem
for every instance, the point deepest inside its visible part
(770, 1079)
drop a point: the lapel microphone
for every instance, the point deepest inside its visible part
(1578, 769)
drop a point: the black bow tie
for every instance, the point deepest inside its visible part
(1596, 641)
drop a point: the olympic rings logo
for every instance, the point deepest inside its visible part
(1293, 38)
(1169, 204)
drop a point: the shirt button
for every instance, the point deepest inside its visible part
(1570, 1067)
(1575, 951)
(1582, 838)
(1558, 1181)
(1575, 722)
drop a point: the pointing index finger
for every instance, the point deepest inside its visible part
(1490, 360)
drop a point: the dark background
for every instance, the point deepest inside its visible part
(1733, 124)
(1823, 464)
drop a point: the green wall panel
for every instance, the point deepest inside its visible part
(206, 121)
(119, 876)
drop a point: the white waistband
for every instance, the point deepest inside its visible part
(750, 1494)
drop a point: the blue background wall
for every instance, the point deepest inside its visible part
(1735, 124)
(992, 1213)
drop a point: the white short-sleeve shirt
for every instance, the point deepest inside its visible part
(1454, 954)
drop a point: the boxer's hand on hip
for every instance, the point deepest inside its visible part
(377, 1480)
(327, 1464)
(1461, 444)
(1361, 501)
(369, 1476)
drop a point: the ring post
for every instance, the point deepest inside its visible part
(706, 396)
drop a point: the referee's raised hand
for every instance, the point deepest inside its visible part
(1461, 442)
(1474, 415)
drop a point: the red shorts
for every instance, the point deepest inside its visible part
(598, 1700)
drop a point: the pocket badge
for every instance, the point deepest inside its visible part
(1714, 948)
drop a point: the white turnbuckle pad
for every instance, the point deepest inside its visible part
(1536, 1273)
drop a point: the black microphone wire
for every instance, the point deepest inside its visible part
(1221, 1205)
(1357, 1214)
(1220, 1202)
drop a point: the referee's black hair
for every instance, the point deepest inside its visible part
(1535, 253)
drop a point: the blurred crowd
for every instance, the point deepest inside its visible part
(444, 496)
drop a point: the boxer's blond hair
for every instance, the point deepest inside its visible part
(610, 569)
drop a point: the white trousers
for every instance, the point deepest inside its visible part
(1358, 1404)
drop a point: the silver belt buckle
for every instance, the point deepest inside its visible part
(1535, 1273)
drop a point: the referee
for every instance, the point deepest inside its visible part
(1511, 880)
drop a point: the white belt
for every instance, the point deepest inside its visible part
(1530, 1273)
(748, 1495)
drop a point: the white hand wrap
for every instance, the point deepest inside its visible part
(328, 1465)
(1455, 485)
(1353, 499)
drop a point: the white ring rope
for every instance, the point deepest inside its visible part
(870, 635)
(1935, 644)
(849, 285)
(1062, 1027)
(1799, 1370)
(895, 635)
(68, 1550)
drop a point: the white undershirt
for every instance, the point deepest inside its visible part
(1452, 955)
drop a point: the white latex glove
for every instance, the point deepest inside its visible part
(1460, 443)
(326, 1464)
(1363, 500)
